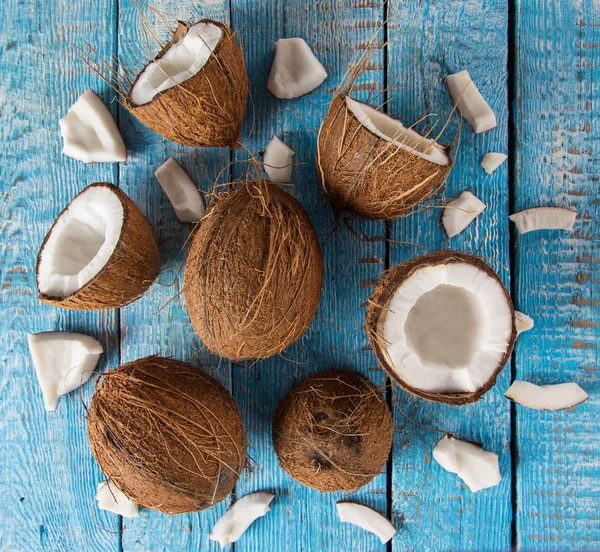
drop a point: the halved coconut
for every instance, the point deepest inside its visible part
(100, 252)
(442, 326)
(195, 90)
(374, 166)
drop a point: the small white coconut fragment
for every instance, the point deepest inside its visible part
(240, 516)
(491, 161)
(523, 322)
(460, 212)
(471, 104)
(278, 160)
(477, 467)
(113, 500)
(546, 397)
(544, 218)
(367, 519)
(63, 362)
(90, 133)
(296, 70)
(181, 191)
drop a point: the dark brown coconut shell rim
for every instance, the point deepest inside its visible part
(377, 311)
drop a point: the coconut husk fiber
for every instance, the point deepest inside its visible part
(364, 174)
(168, 435)
(252, 280)
(333, 431)
(378, 307)
(206, 109)
(128, 273)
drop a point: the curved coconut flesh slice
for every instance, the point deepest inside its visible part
(63, 362)
(234, 523)
(523, 322)
(367, 519)
(546, 397)
(544, 218)
(491, 161)
(111, 499)
(460, 212)
(471, 104)
(100, 252)
(278, 161)
(442, 326)
(181, 191)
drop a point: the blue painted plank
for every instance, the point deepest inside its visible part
(557, 278)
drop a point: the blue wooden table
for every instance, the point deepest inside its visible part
(538, 65)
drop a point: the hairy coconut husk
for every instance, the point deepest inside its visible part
(364, 174)
(253, 277)
(378, 307)
(130, 271)
(208, 108)
(168, 435)
(333, 431)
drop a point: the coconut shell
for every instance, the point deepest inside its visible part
(252, 281)
(366, 175)
(168, 435)
(333, 431)
(206, 109)
(128, 273)
(378, 307)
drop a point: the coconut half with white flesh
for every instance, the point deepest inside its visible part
(544, 218)
(373, 165)
(442, 326)
(100, 252)
(546, 397)
(194, 91)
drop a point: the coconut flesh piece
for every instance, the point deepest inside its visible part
(477, 467)
(63, 362)
(90, 133)
(491, 161)
(113, 500)
(471, 104)
(546, 397)
(544, 218)
(278, 161)
(460, 212)
(296, 70)
(181, 191)
(523, 322)
(234, 523)
(367, 519)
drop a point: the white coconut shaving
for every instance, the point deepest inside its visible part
(544, 218)
(63, 362)
(181, 191)
(366, 518)
(111, 499)
(491, 161)
(523, 322)
(278, 161)
(296, 70)
(477, 467)
(471, 104)
(182, 61)
(90, 133)
(460, 212)
(546, 397)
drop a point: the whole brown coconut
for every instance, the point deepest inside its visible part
(333, 431)
(253, 276)
(168, 435)
(367, 175)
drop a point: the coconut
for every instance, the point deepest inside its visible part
(194, 91)
(169, 436)
(100, 252)
(253, 277)
(442, 326)
(374, 166)
(333, 431)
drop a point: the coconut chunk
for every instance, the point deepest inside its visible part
(460, 212)
(296, 70)
(278, 161)
(90, 133)
(546, 397)
(367, 519)
(544, 218)
(111, 499)
(491, 161)
(471, 104)
(477, 467)
(63, 362)
(234, 523)
(523, 322)
(181, 191)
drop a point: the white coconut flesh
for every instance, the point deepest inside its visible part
(544, 218)
(366, 518)
(395, 132)
(81, 242)
(181, 191)
(447, 328)
(491, 161)
(471, 103)
(546, 397)
(181, 62)
(460, 212)
(111, 499)
(523, 322)
(278, 160)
